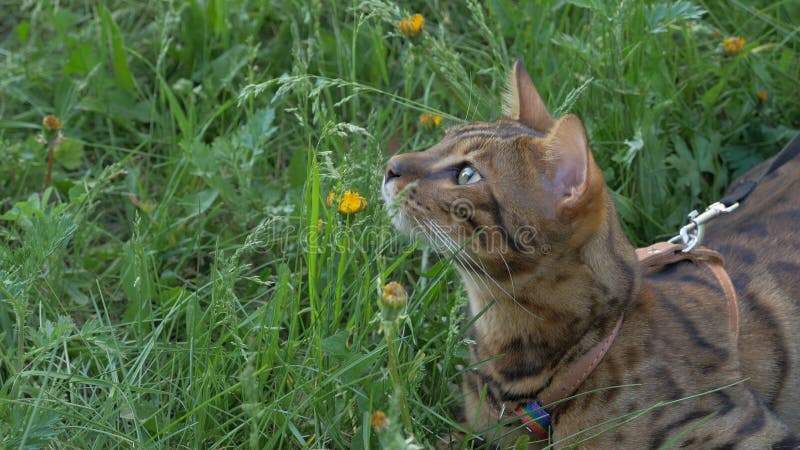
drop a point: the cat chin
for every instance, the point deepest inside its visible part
(399, 220)
(407, 226)
(404, 225)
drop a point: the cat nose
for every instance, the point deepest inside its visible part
(393, 169)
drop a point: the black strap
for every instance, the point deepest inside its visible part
(744, 188)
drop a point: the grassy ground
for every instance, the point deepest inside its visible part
(181, 283)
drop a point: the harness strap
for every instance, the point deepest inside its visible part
(730, 293)
(661, 254)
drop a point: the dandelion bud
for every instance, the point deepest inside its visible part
(733, 45)
(51, 126)
(51, 123)
(393, 300)
(379, 420)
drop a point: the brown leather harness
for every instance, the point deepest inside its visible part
(661, 254)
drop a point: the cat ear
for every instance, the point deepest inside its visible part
(523, 102)
(571, 171)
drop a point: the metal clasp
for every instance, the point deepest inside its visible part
(692, 233)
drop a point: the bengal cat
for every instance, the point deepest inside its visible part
(524, 209)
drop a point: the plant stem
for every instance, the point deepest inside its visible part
(394, 374)
(51, 146)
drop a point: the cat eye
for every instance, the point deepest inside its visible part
(468, 175)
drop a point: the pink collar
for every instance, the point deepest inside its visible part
(534, 415)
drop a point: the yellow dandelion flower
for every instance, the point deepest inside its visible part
(379, 420)
(329, 200)
(733, 45)
(762, 96)
(430, 121)
(412, 25)
(351, 203)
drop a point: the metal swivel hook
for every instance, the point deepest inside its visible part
(692, 233)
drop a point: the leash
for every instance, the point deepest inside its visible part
(740, 192)
(685, 246)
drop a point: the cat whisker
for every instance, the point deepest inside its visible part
(459, 249)
(472, 267)
(465, 258)
(485, 272)
(452, 248)
(510, 277)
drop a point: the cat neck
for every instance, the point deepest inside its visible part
(560, 309)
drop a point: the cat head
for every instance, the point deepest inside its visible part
(508, 192)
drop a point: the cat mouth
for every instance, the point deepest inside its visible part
(400, 211)
(412, 218)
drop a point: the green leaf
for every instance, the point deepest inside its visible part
(176, 109)
(297, 169)
(336, 345)
(661, 15)
(258, 130)
(82, 60)
(522, 442)
(23, 212)
(625, 208)
(136, 278)
(69, 153)
(23, 31)
(594, 5)
(198, 203)
(711, 96)
(64, 21)
(119, 60)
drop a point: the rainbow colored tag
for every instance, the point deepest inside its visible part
(535, 418)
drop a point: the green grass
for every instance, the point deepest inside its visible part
(182, 283)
